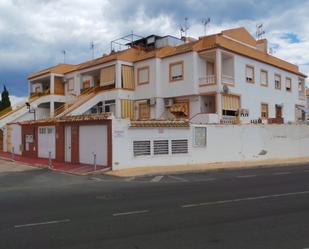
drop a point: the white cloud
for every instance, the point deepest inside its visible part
(34, 32)
(15, 99)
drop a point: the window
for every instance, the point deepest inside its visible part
(141, 148)
(107, 76)
(264, 110)
(288, 84)
(86, 84)
(42, 130)
(301, 85)
(71, 85)
(176, 71)
(104, 106)
(127, 74)
(264, 78)
(143, 111)
(250, 74)
(230, 104)
(50, 130)
(143, 75)
(277, 81)
(160, 147)
(200, 136)
(180, 146)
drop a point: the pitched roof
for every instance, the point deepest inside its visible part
(160, 123)
(60, 69)
(237, 40)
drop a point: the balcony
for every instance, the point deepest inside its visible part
(227, 79)
(207, 80)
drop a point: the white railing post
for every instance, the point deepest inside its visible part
(49, 160)
(95, 161)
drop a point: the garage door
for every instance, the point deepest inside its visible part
(93, 140)
(46, 141)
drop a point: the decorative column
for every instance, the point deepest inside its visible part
(52, 84)
(118, 75)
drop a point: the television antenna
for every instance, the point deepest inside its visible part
(184, 29)
(64, 54)
(205, 22)
(260, 32)
(92, 48)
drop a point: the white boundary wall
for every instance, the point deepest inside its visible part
(224, 143)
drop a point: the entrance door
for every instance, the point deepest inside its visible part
(209, 104)
(67, 143)
(278, 111)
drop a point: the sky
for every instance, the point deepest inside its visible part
(34, 33)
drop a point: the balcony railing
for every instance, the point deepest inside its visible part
(301, 95)
(207, 80)
(227, 79)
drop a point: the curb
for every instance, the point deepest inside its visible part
(179, 172)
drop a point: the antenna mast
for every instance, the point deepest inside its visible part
(64, 53)
(205, 22)
(92, 48)
(260, 32)
(184, 29)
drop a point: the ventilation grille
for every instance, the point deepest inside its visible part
(141, 148)
(160, 147)
(180, 146)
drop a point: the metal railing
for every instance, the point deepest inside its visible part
(207, 80)
(227, 79)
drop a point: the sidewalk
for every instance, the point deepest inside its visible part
(179, 169)
(78, 169)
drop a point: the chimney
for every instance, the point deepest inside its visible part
(262, 45)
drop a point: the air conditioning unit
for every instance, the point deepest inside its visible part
(152, 101)
(168, 102)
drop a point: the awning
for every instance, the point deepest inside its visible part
(302, 108)
(180, 107)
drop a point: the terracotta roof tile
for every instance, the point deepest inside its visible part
(160, 123)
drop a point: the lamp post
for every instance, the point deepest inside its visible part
(32, 109)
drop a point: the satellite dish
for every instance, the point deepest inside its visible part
(226, 89)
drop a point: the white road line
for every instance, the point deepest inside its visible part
(244, 199)
(156, 179)
(281, 173)
(246, 176)
(178, 178)
(131, 212)
(42, 223)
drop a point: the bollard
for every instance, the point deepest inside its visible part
(95, 161)
(12, 153)
(49, 160)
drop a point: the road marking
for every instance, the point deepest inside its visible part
(246, 176)
(42, 223)
(307, 172)
(156, 179)
(281, 173)
(178, 178)
(131, 212)
(244, 199)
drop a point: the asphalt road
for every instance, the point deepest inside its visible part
(264, 208)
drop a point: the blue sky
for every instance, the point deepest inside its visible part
(34, 32)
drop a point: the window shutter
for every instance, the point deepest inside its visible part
(143, 75)
(176, 70)
(160, 147)
(107, 76)
(230, 102)
(141, 148)
(127, 77)
(180, 146)
(249, 72)
(264, 78)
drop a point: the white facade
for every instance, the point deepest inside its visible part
(223, 144)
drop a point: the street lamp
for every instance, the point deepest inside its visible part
(32, 109)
